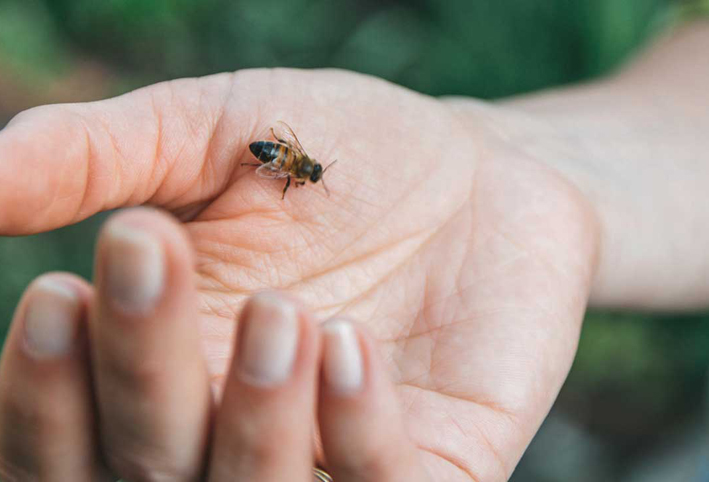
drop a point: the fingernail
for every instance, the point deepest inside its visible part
(270, 339)
(50, 319)
(342, 358)
(134, 267)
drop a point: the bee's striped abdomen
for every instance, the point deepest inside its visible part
(278, 154)
(264, 151)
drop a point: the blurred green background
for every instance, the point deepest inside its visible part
(634, 403)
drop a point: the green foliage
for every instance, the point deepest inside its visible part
(643, 353)
(484, 48)
(29, 43)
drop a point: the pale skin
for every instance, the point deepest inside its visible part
(464, 238)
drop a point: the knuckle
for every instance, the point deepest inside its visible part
(134, 376)
(257, 446)
(261, 451)
(30, 416)
(28, 430)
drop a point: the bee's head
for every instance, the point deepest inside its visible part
(316, 175)
(318, 172)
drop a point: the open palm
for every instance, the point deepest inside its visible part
(469, 262)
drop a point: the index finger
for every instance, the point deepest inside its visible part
(170, 145)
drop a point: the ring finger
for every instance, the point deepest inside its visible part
(264, 428)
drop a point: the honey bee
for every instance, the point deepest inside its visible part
(286, 158)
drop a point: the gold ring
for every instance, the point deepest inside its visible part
(321, 475)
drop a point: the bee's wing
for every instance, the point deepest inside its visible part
(270, 171)
(283, 133)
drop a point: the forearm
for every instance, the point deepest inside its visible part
(637, 145)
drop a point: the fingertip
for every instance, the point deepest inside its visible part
(352, 366)
(269, 339)
(361, 423)
(42, 151)
(133, 267)
(50, 315)
(47, 339)
(71, 281)
(343, 363)
(277, 343)
(144, 260)
(45, 395)
(267, 410)
(149, 220)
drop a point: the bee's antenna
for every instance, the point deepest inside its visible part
(322, 178)
(329, 166)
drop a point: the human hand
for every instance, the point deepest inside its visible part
(470, 261)
(128, 347)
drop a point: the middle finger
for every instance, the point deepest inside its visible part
(264, 428)
(150, 376)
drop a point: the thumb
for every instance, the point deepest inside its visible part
(171, 144)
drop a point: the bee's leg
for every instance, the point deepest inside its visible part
(285, 188)
(250, 164)
(273, 133)
(299, 183)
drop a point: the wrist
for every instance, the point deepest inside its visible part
(637, 167)
(506, 135)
